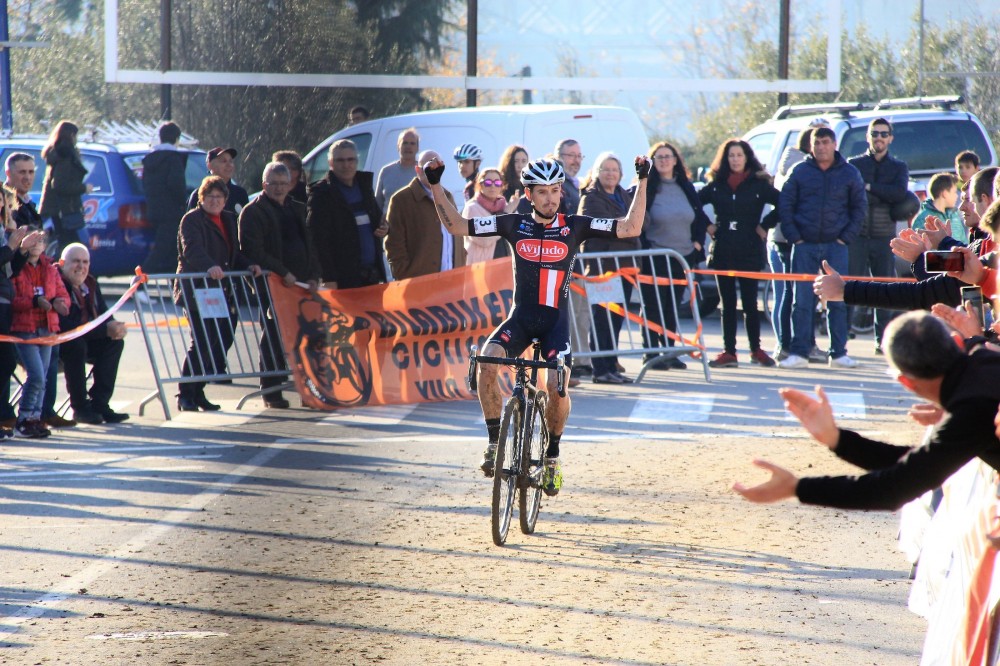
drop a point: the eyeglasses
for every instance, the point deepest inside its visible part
(278, 183)
(491, 183)
(884, 134)
(577, 156)
(610, 171)
(345, 159)
(214, 197)
(664, 158)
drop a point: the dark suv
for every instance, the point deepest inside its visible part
(928, 132)
(117, 230)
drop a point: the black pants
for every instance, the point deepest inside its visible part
(657, 298)
(607, 326)
(104, 354)
(272, 355)
(210, 343)
(163, 257)
(751, 316)
(8, 363)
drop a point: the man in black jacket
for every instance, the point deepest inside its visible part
(345, 223)
(272, 230)
(886, 180)
(962, 388)
(102, 346)
(20, 172)
(166, 190)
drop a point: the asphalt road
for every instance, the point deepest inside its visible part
(297, 537)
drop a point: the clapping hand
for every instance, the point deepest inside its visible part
(780, 486)
(909, 245)
(937, 230)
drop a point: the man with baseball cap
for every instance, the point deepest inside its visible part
(221, 163)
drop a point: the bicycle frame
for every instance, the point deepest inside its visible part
(520, 460)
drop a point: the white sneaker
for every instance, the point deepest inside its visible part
(844, 361)
(793, 361)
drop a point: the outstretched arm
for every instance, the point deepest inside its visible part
(447, 214)
(630, 226)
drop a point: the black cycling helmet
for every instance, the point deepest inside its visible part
(542, 172)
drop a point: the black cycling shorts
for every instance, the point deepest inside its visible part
(549, 325)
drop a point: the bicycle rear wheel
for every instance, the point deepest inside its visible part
(536, 438)
(508, 463)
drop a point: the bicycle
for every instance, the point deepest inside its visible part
(524, 438)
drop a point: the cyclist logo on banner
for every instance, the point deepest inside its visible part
(332, 353)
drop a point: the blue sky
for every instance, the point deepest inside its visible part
(666, 38)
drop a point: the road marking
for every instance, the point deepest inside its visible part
(845, 406)
(101, 471)
(226, 417)
(102, 565)
(376, 415)
(689, 408)
(155, 635)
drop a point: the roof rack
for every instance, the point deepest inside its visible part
(133, 131)
(945, 102)
(843, 109)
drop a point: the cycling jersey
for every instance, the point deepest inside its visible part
(543, 255)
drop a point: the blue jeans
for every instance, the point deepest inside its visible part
(807, 258)
(35, 359)
(779, 257)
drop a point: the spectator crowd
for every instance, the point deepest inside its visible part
(821, 212)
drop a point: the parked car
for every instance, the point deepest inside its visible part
(118, 231)
(928, 132)
(537, 127)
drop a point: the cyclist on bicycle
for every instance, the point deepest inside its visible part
(543, 246)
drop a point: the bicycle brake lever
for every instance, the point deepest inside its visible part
(561, 374)
(471, 379)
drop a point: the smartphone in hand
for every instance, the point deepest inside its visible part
(937, 261)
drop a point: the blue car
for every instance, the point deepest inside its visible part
(117, 229)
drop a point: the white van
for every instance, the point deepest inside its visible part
(537, 127)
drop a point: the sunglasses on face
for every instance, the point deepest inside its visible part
(884, 134)
(492, 183)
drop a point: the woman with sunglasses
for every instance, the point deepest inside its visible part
(488, 201)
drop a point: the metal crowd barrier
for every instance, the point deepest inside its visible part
(650, 274)
(233, 309)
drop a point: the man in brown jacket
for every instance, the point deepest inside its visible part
(272, 231)
(417, 244)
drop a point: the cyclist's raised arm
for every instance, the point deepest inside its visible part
(630, 226)
(449, 216)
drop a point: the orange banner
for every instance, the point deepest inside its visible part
(402, 342)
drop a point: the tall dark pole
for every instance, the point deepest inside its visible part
(165, 107)
(472, 31)
(783, 41)
(6, 105)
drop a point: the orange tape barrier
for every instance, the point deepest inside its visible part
(79, 331)
(793, 277)
(632, 274)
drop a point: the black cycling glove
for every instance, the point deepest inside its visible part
(434, 174)
(641, 168)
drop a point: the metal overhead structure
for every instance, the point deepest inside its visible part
(831, 83)
(6, 104)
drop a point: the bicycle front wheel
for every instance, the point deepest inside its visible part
(536, 437)
(505, 472)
